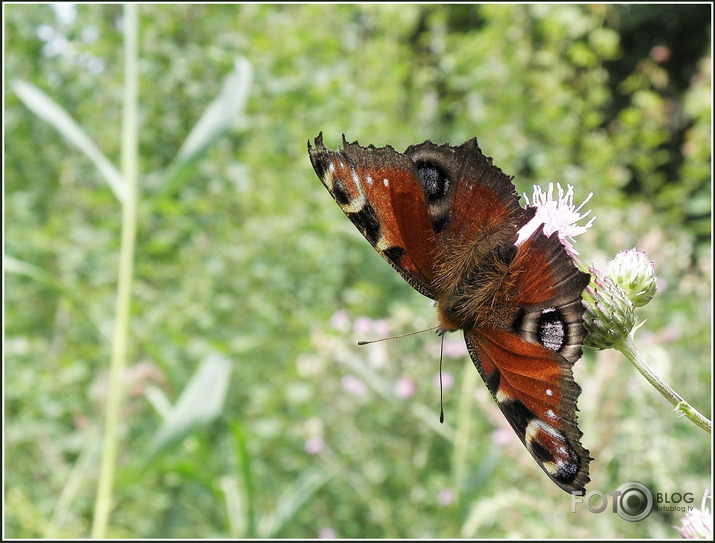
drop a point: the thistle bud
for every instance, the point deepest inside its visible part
(635, 274)
(609, 316)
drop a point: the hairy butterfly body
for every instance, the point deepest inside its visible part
(447, 220)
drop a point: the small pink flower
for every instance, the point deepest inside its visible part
(353, 385)
(382, 328)
(340, 320)
(660, 53)
(327, 533)
(362, 326)
(698, 523)
(559, 216)
(314, 445)
(445, 496)
(404, 387)
(447, 380)
(501, 437)
(455, 348)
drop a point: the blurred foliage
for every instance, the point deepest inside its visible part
(250, 258)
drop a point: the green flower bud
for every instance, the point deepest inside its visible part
(635, 274)
(609, 316)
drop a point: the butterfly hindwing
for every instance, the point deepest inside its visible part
(528, 368)
(474, 210)
(535, 390)
(549, 296)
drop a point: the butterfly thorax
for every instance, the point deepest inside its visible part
(476, 284)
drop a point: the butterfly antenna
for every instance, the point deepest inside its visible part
(441, 402)
(397, 337)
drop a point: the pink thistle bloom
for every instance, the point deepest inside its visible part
(382, 327)
(314, 445)
(447, 380)
(455, 348)
(353, 385)
(340, 320)
(445, 496)
(560, 215)
(363, 325)
(404, 387)
(698, 523)
(501, 437)
(327, 533)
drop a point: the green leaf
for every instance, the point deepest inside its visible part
(291, 500)
(216, 119)
(235, 508)
(20, 267)
(51, 112)
(200, 403)
(240, 503)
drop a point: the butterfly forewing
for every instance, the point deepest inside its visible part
(458, 182)
(380, 192)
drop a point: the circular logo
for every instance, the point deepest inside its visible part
(634, 501)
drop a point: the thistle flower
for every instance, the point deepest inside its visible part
(698, 523)
(610, 298)
(609, 316)
(353, 385)
(559, 215)
(635, 274)
(446, 496)
(314, 445)
(404, 387)
(327, 533)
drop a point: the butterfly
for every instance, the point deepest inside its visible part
(447, 219)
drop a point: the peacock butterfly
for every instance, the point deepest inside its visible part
(447, 220)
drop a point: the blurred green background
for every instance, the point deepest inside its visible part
(249, 410)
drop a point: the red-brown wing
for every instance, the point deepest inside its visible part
(379, 190)
(469, 197)
(528, 366)
(430, 211)
(549, 290)
(474, 210)
(534, 388)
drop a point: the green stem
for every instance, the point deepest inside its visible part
(628, 348)
(463, 433)
(103, 504)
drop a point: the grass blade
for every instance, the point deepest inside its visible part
(247, 510)
(235, 508)
(292, 499)
(200, 403)
(120, 338)
(51, 112)
(213, 123)
(20, 267)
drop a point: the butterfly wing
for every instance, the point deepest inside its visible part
(468, 196)
(379, 190)
(528, 368)
(475, 214)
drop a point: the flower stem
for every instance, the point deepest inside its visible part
(628, 348)
(103, 503)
